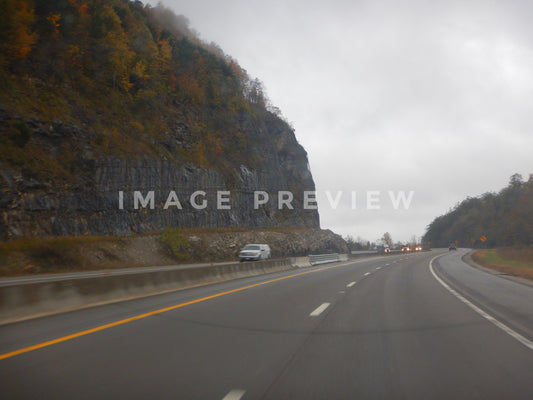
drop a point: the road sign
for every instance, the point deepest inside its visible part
(483, 238)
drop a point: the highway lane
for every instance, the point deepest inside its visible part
(370, 329)
(508, 301)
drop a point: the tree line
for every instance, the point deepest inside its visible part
(120, 45)
(491, 220)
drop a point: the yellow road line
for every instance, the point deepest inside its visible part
(151, 313)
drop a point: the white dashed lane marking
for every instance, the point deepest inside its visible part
(235, 394)
(319, 310)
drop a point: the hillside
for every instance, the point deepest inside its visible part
(100, 99)
(503, 219)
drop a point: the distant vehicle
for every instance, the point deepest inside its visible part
(383, 249)
(254, 252)
(452, 246)
(406, 249)
(418, 248)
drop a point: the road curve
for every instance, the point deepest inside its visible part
(381, 328)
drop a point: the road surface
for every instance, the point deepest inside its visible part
(418, 326)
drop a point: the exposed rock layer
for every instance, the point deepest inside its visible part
(97, 194)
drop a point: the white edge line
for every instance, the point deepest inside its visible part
(319, 310)
(351, 284)
(526, 342)
(368, 273)
(235, 394)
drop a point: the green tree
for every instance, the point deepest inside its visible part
(175, 242)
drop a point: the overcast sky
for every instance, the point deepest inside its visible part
(433, 97)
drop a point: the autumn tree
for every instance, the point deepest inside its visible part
(16, 35)
(125, 66)
(111, 48)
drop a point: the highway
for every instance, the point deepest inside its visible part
(417, 326)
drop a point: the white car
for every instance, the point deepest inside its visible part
(254, 252)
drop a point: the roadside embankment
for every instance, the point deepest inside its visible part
(32, 256)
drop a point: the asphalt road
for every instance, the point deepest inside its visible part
(397, 327)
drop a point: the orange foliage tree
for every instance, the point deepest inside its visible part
(16, 35)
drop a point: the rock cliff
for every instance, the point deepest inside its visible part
(108, 195)
(116, 119)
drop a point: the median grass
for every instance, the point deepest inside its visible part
(508, 260)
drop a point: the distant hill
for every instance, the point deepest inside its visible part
(99, 97)
(502, 219)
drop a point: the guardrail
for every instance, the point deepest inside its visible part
(365, 253)
(315, 259)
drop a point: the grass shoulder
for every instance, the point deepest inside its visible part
(508, 260)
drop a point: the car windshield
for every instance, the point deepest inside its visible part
(251, 247)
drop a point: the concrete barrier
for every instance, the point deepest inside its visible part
(369, 253)
(363, 253)
(24, 301)
(300, 262)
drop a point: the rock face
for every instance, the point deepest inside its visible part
(101, 194)
(118, 119)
